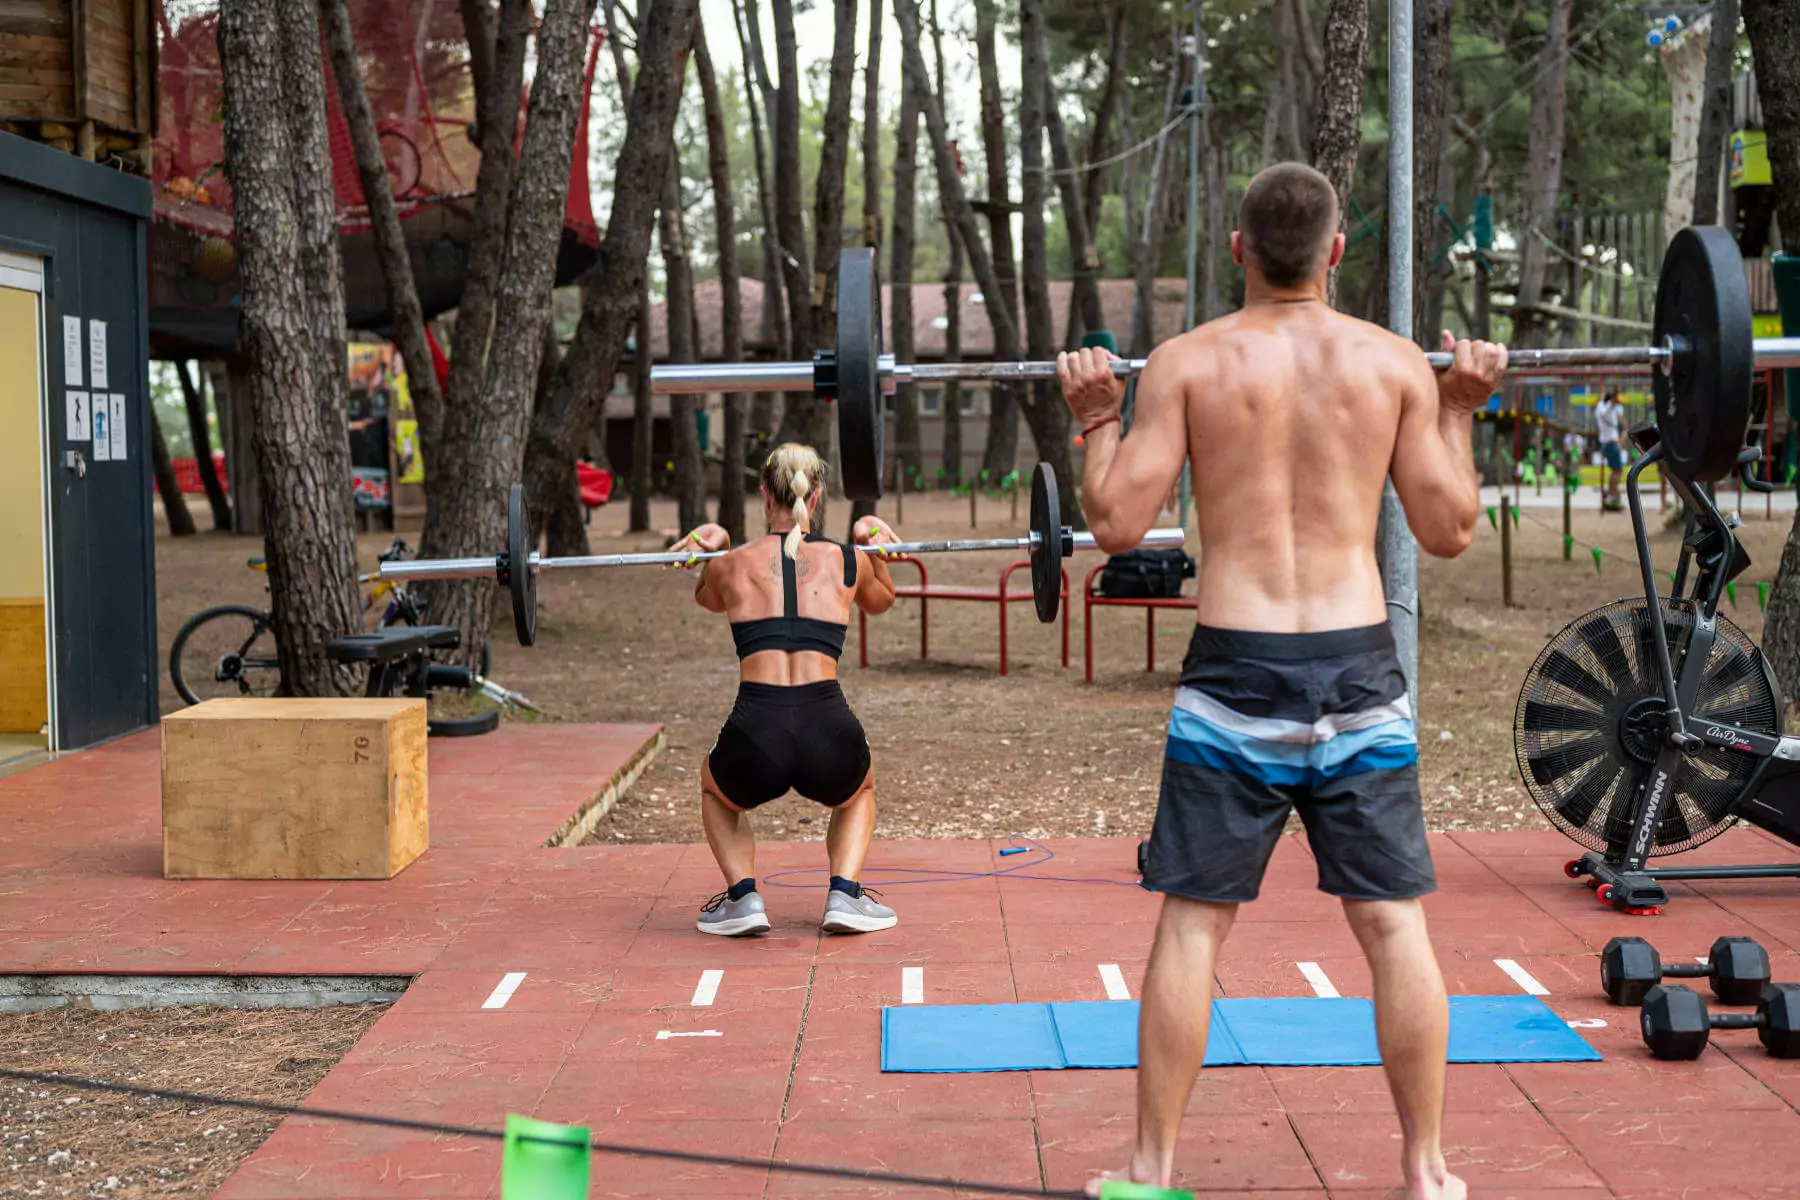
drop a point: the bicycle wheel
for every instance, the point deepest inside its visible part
(225, 651)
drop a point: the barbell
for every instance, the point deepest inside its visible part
(1703, 353)
(1047, 545)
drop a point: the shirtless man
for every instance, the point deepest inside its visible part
(1291, 696)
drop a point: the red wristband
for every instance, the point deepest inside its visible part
(1097, 424)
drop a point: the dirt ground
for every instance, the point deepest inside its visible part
(961, 751)
(57, 1141)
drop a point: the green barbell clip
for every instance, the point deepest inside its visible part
(1119, 1189)
(541, 1160)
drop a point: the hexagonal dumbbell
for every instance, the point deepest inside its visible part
(1676, 1024)
(1736, 967)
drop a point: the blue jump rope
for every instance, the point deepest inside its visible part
(900, 876)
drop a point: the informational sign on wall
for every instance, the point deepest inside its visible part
(76, 423)
(96, 353)
(72, 355)
(102, 429)
(116, 428)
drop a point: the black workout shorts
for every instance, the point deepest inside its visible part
(803, 738)
(1269, 722)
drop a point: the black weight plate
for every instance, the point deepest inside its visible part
(859, 398)
(1047, 547)
(1703, 395)
(519, 577)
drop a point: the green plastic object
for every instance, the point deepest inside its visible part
(542, 1160)
(1786, 270)
(1102, 338)
(1484, 222)
(1119, 1189)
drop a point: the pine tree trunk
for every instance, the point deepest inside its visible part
(408, 316)
(175, 509)
(610, 309)
(950, 402)
(1084, 258)
(1093, 180)
(1543, 170)
(1774, 29)
(276, 149)
(871, 173)
(237, 430)
(1047, 416)
(1339, 135)
(201, 435)
(1432, 101)
(1146, 250)
(1288, 83)
(900, 310)
(643, 416)
(678, 272)
(1002, 450)
(765, 415)
(565, 521)
(790, 229)
(731, 304)
(1715, 111)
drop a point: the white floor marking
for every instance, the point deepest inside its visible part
(508, 985)
(708, 989)
(1586, 1023)
(1522, 977)
(1114, 979)
(663, 1035)
(912, 985)
(1321, 983)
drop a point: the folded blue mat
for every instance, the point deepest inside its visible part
(1281, 1031)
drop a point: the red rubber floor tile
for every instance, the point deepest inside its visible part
(491, 1036)
(1468, 1087)
(1515, 1148)
(1639, 1152)
(988, 1151)
(1247, 1152)
(599, 1093)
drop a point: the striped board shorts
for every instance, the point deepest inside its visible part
(1268, 723)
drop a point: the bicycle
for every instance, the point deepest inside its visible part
(229, 649)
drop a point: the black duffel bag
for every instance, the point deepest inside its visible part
(1144, 575)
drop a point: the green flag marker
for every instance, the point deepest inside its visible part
(1493, 521)
(1596, 560)
(1119, 1189)
(544, 1161)
(1762, 594)
(1731, 593)
(1515, 516)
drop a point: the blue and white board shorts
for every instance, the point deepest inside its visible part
(1265, 723)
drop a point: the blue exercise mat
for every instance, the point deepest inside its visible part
(1280, 1031)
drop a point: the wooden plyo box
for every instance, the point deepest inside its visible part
(293, 789)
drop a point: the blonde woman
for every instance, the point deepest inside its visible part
(788, 596)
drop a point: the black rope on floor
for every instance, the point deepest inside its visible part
(495, 1135)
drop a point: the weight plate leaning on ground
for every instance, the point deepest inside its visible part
(1703, 392)
(520, 580)
(859, 394)
(1047, 549)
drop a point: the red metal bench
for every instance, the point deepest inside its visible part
(1089, 602)
(924, 593)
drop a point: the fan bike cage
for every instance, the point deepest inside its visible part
(1770, 799)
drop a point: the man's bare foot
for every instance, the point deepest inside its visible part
(1437, 1185)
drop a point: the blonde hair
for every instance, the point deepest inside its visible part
(791, 474)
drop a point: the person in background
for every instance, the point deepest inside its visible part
(1609, 428)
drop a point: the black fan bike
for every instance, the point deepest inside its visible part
(1641, 737)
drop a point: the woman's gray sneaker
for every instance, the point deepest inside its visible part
(733, 918)
(845, 913)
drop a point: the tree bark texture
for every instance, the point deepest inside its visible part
(1046, 414)
(1084, 258)
(201, 435)
(384, 215)
(1432, 101)
(1339, 133)
(1774, 29)
(302, 449)
(900, 271)
(765, 416)
(643, 416)
(1715, 112)
(678, 272)
(175, 509)
(1543, 171)
(790, 229)
(482, 450)
(610, 309)
(1093, 179)
(237, 430)
(1002, 449)
(565, 522)
(731, 305)
(950, 400)
(871, 132)
(478, 31)
(1146, 249)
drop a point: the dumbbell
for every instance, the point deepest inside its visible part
(1676, 1024)
(1736, 967)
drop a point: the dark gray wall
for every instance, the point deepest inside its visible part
(88, 222)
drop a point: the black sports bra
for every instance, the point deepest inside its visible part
(791, 631)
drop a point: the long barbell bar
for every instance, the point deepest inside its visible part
(485, 568)
(682, 378)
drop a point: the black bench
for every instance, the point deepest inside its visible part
(399, 657)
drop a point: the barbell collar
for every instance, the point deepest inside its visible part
(488, 568)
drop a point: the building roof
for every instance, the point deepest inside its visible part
(928, 316)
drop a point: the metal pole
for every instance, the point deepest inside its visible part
(1398, 553)
(1195, 106)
